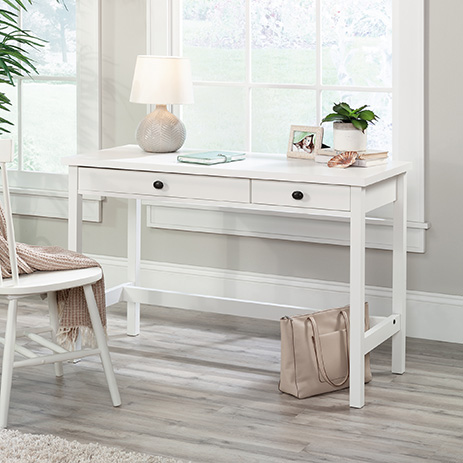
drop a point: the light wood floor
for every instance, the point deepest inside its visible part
(203, 388)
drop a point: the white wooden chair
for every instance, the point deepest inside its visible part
(38, 283)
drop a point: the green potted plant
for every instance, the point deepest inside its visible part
(349, 126)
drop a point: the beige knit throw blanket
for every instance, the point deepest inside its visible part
(74, 318)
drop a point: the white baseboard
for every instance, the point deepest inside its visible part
(429, 315)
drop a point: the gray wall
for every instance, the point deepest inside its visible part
(439, 270)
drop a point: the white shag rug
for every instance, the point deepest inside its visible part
(16, 447)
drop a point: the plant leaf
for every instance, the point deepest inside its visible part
(15, 44)
(360, 125)
(17, 4)
(367, 115)
(361, 108)
(342, 108)
(335, 117)
(7, 71)
(345, 106)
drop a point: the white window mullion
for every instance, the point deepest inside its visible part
(318, 61)
(248, 87)
(159, 27)
(175, 43)
(408, 84)
(176, 34)
(205, 83)
(88, 26)
(38, 78)
(19, 126)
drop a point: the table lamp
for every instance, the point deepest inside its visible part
(161, 80)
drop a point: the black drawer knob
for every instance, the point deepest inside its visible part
(297, 195)
(158, 185)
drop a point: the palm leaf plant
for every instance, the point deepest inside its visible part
(15, 45)
(14, 56)
(360, 118)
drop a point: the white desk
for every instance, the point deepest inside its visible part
(263, 182)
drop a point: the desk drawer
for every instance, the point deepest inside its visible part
(129, 183)
(311, 195)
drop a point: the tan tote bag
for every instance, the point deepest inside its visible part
(315, 352)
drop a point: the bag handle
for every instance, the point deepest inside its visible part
(319, 352)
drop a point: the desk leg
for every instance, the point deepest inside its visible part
(357, 298)
(75, 212)
(399, 274)
(133, 258)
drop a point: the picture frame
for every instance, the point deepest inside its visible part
(304, 141)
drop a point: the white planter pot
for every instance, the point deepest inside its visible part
(347, 138)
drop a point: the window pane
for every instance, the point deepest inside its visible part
(56, 24)
(214, 39)
(357, 42)
(283, 41)
(216, 120)
(356, 51)
(274, 111)
(49, 125)
(380, 134)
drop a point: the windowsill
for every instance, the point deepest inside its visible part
(46, 195)
(52, 204)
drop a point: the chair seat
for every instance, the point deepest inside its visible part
(43, 282)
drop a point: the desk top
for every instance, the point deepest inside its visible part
(255, 166)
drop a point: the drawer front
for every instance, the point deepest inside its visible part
(303, 195)
(156, 184)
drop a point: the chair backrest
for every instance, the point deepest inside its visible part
(6, 155)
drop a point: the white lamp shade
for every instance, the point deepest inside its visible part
(162, 80)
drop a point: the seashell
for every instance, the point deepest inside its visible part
(345, 159)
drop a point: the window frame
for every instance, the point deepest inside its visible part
(51, 189)
(164, 26)
(248, 84)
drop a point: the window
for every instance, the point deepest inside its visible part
(45, 104)
(261, 65)
(48, 123)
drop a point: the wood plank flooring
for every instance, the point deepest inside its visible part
(203, 388)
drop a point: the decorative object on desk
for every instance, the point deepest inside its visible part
(161, 80)
(326, 153)
(343, 160)
(315, 352)
(369, 162)
(304, 142)
(211, 157)
(368, 158)
(349, 126)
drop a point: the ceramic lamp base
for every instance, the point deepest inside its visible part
(161, 132)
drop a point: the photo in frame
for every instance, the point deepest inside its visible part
(304, 141)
